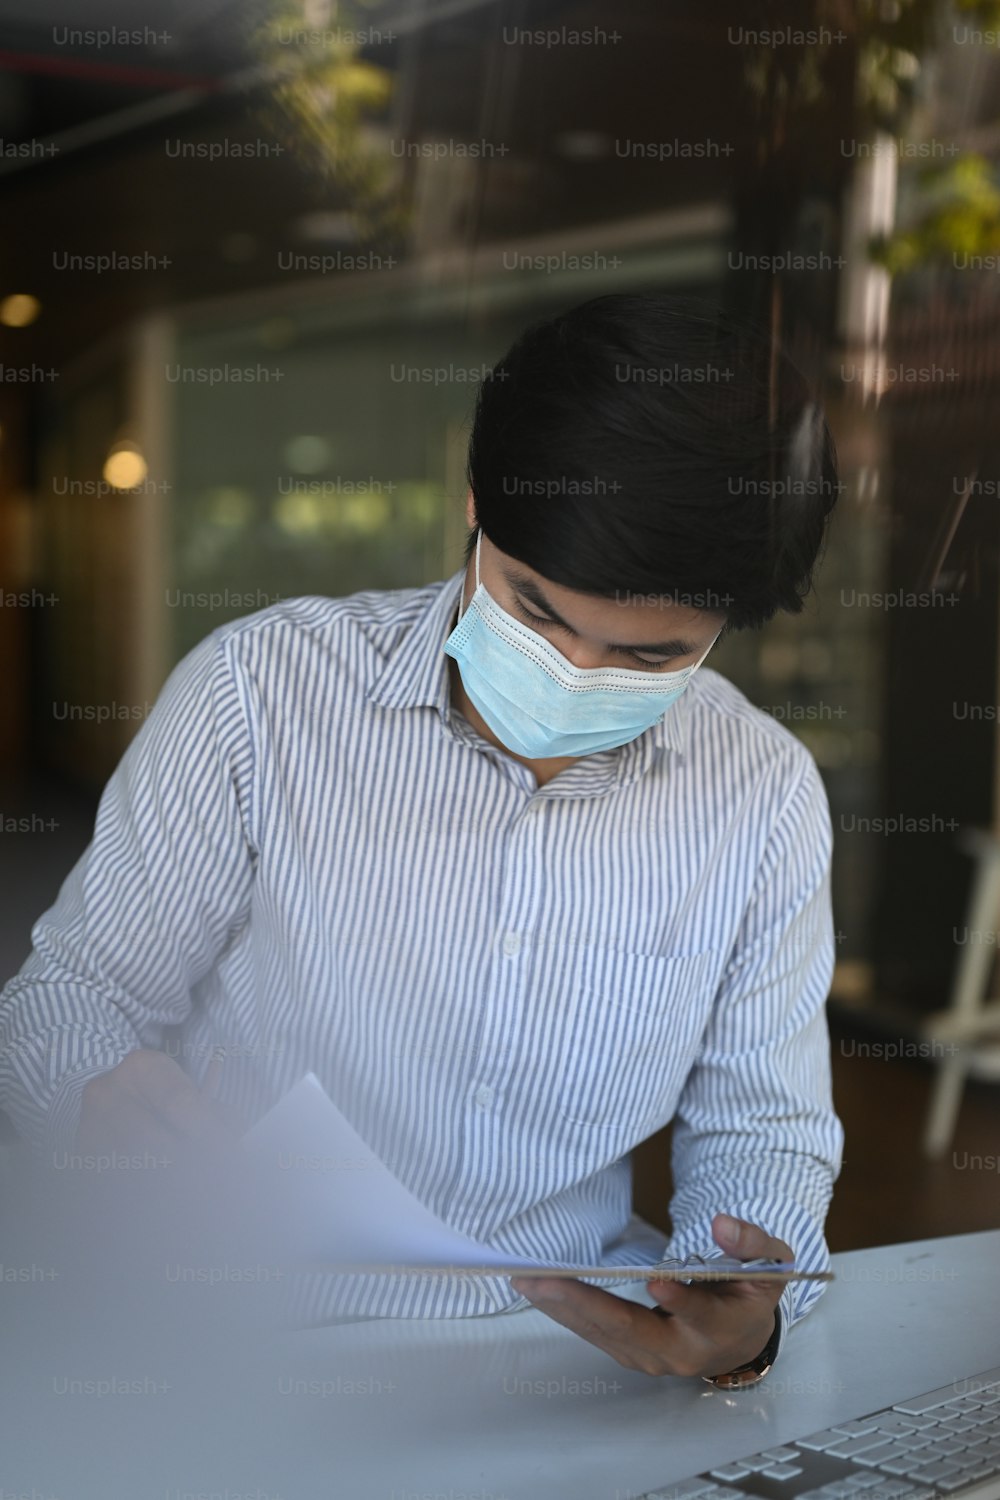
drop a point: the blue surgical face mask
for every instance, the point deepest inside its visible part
(536, 702)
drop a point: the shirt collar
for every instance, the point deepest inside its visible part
(415, 673)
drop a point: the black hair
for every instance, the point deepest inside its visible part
(655, 444)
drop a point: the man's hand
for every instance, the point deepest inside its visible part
(700, 1329)
(147, 1102)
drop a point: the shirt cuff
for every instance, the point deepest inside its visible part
(62, 1118)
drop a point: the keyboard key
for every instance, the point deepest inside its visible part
(730, 1471)
(902, 1454)
(936, 1471)
(779, 1455)
(894, 1488)
(900, 1465)
(862, 1481)
(684, 1489)
(819, 1441)
(914, 1441)
(956, 1482)
(957, 1424)
(965, 1403)
(947, 1446)
(782, 1471)
(852, 1447)
(982, 1472)
(855, 1428)
(872, 1457)
(896, 1426)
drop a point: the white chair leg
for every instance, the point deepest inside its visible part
(946, 1101)
(971, 982)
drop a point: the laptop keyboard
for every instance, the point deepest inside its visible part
(945, 1443)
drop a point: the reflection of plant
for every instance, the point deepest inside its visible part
(962, 217)
(326, 93)
(887, 75)
(960, 199)
(888, 38)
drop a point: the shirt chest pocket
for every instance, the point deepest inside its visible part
(636, 1024)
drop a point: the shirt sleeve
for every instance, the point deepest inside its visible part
(755, 1133)
(161, 891)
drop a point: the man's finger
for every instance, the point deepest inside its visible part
(587, 1310)
(747, 1241)
(632, 1334)
(708, 1311)
(179, 1104)
(612, 1323)
(211, 1078)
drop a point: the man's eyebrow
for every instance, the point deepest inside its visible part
(530, 590)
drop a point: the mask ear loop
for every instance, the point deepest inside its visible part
(461, 596)
(707, 649)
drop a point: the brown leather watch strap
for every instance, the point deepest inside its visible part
(755, 1369)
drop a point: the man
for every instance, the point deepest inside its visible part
(499, 860)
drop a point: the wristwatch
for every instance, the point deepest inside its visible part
(756, 1369)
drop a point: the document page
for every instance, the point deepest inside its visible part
(348, 1211)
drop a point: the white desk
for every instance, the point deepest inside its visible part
(898, 1320)
(449, 1410)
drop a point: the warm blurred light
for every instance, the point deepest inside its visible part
(229, 505)
(327, 227)
(19, 310)
(307, 454)
(276, 333)
(238, 247)
(779, 660)
(125, 467)
(815, 659)
(367, 514)
(298, 515)
(582, 145)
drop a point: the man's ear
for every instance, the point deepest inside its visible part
(470, 508)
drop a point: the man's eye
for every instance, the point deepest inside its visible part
(538, 619)
(652, 666)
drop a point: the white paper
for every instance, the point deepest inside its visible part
(350, 1207)
(337, 1204)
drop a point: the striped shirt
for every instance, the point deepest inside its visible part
(309, 859)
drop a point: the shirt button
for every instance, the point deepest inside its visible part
(484, 1097)
(511, 943)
